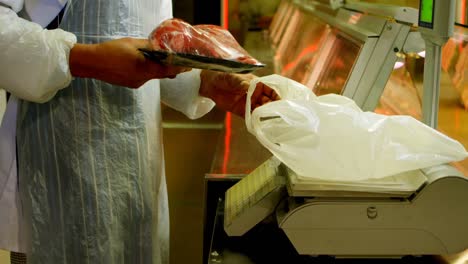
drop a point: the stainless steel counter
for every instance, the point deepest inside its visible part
(238, 152)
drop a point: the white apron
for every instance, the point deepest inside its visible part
(41, 12)
(90, 160)
(91, 176)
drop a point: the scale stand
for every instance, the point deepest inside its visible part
(436, 21)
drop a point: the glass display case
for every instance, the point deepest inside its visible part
(362, 57)
(403, 92)
(298, 58)
(338, 57)
(330, 50)
(278, 17)
(316, 54)
(281, 21)
(290, 32)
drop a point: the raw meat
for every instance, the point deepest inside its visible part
(178, 36)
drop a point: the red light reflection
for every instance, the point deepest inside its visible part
(227, 141)
(463, 14)
(304, 52)
(226, 14)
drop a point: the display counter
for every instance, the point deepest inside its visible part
(237, 154)
(365, 58)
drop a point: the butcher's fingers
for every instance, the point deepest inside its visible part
(268, 91)
(255, 106)
(257, 93)
(263, 94)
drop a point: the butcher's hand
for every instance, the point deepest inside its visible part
(229, 91)
(118, 62)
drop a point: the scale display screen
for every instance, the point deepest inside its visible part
(426, 13)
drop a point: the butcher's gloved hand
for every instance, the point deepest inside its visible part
(118, 62)
(229, 91)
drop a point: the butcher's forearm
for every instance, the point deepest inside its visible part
(101, 61)
(118, 62)
(84, 61)
(115, 62)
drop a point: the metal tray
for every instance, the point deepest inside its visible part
(199, 62)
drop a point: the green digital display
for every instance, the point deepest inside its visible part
(426, 10)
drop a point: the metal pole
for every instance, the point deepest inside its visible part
(431, 85)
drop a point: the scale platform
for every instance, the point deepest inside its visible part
(425, 213)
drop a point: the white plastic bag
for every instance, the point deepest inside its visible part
(330, 138)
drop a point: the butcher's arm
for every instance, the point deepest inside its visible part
(182, 94)
(15, 5)
(36, 63)
(118, 62)
(229, 91)
(194, 93)
(33, 61)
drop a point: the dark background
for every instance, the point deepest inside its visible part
(198, 11)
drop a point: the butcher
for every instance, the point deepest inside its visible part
(81, 170)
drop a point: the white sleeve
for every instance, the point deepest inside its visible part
(16, 5)
(33, 61)
(181, 94)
